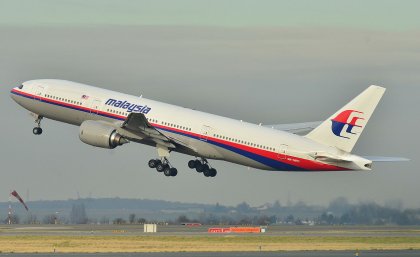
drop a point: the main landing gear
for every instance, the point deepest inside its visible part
(163, 166)
(37, 130)
(202, 166)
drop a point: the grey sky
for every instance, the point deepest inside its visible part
(269, 74)
(372, 14)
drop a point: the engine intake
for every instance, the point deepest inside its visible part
(100, 134)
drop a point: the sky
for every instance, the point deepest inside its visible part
(261, 61)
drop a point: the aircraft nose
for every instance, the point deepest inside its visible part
(13, 93)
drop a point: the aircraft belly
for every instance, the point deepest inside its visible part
(63, 114)
(208, 150)
(53, 112)
(196, 147)
(242, 160)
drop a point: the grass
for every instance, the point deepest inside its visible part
(94, 244)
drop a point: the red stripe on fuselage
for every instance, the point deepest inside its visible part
(287, 159)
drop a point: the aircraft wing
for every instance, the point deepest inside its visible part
(136, 127)
(296, 128)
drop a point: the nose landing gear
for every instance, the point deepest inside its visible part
(37, 130)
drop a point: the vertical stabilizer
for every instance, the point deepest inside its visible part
(343, 128)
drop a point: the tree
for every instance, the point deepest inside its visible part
(14, 219)
(276, 206)
(263, 220)
(78, 214)
(104, 220)
(141, 220)
(245, 221)
(339, 205)
(289, 219)
(327, 218)
(119, 221)
(183, 219)
(132, 218)
(31, 219)
(243, 207)
(219, 208)
(49, 219)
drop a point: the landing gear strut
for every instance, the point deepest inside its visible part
(163, 166)
(202, 166)
(37, 130)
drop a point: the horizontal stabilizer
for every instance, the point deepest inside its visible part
(328, 157)
(386, 159)
(296, 128)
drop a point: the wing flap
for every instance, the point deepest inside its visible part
(137, 124)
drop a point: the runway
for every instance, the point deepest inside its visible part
(405, 253)
(106, 240)
(179, 230)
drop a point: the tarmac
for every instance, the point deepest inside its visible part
(405, 253)
(167, 230)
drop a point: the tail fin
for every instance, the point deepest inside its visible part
(342, 130)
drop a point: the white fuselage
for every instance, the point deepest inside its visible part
(204, 135)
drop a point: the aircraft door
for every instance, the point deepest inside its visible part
(205, 132)
(282, 152)
(39, 90)
(95, 107)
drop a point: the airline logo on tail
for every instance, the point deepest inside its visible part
(343, 119)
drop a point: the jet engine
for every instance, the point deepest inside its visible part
(100, 134)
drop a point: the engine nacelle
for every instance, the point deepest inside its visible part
(100, 134)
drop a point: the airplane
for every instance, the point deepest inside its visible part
(108, 119)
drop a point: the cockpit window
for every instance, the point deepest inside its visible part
(20, 87)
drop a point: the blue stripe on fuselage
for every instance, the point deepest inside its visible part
(256, 157)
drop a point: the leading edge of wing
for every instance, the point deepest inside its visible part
(296, 128)
(137, 124)
(137, 128)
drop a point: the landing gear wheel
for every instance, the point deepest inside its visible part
(204, 167)
(153, 163)
(207, 173)
(199, 167)
(213, 172)
(167, 171)
(192, 164)
(37, 131)
(197, 162)
(173, 172)
(161, 167)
